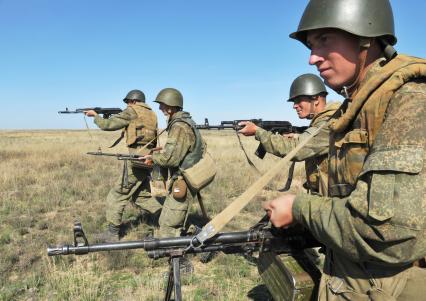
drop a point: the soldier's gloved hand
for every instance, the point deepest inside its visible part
(90, 113)
(280, 210)
(249, 128)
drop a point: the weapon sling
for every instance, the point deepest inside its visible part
(289, 178)
(250, 162)
(220, 220)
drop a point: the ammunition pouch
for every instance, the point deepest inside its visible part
(201, 173)
(289, 278)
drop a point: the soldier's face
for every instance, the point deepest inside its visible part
(303, 107)
(165, 109)
(335, 53)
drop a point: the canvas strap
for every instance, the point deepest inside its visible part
(220, 220)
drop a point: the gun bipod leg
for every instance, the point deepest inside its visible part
(173, 282)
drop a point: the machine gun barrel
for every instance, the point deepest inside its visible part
(151, 244)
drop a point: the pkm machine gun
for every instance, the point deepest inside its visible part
(257, 239)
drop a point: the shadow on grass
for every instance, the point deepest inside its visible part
(259, 293)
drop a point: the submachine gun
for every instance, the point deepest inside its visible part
(106, 112)
(260, 238)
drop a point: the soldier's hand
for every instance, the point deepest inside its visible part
(90, 113)
(249, 128)
(280, 210)
(147, 159)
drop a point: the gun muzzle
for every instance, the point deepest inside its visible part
(67, 250)
(58, 250)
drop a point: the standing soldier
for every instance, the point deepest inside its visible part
(308, 94)
(139, 125)
(373, 220)
(184, 147)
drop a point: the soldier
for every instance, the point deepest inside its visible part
(183, 148)
(139, 124)
(373, 220)
(308, 94)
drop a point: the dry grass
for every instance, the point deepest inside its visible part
(47, 182)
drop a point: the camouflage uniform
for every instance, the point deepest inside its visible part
(180, 146)
(314, 153)
(139, 124)
(374, 221)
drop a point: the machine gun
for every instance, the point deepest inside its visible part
(260, 238)
(106, 112)
(280, 127)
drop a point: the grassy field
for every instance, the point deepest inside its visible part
(47, 182)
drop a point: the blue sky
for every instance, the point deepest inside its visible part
(230, 59)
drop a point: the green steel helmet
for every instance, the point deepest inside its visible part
(306, 85)
(364, 18)
(170, 97)
(136, 95)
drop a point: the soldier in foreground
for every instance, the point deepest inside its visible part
(183, 148)
(308, 95)
(372, 220)
(139, 125)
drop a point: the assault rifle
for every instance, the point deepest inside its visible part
(131, 157)
(106, 112)
(259, 238)
(125, 158)
(280, 127)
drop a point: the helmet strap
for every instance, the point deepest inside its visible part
(364, 45)
(312, 108)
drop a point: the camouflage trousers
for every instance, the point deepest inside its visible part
(346, 280)
(174, 214)
(137, 192)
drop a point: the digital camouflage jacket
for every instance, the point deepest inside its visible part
(378, 147)
(180, 142)
(314, 153)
